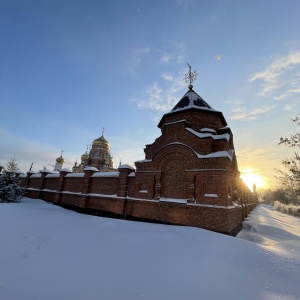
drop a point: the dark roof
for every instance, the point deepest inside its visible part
(191, 99)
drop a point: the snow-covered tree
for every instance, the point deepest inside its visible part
(12, 165)
(290, 176)
(10, 190)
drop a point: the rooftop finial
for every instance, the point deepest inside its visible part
(62, 151)
(190, 77)
(103, 130)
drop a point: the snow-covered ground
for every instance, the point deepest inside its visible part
(47, 252)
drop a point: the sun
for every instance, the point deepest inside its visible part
(250, 178)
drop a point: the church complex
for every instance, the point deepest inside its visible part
(189, 175)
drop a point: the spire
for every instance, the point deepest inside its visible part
(190, 77)
(103, 130)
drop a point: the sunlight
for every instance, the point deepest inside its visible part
(249, 178)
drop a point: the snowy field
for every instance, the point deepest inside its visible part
(47, 252)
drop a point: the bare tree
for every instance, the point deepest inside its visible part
(290, 176)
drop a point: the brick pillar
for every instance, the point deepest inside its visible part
(27, 181)
(124, 170)
(190, 187)
(42, 181)
(157, 185)
(88, 172)
(60, 185)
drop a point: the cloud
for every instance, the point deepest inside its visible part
(134, 60)
(177, 55)
(160, 98)
(26, 152)
(166, 57)
(241, 112)
(280, 77)
(245, 115)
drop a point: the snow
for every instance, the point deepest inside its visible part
(211, 195)
(228, 154)
(183, 201)
(132, 174)
(143, 161)
(216, 154)
(91, 169)
(55, 175)
(102, 195)
(37, 175)
(75, 175)
(179, 121)
(208, 130)
(46, 171)
(106, 174)
(65, 170)
(213, 136)
(125, 166)
(48, 253)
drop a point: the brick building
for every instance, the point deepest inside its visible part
(189, 176)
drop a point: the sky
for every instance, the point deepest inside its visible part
(70, 68)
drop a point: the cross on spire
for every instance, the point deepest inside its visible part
(190, 77)
(103, 130)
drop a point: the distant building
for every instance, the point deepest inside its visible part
(99, 156)
(59, 163)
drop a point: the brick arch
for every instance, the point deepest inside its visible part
(173, 160)
(172, 151)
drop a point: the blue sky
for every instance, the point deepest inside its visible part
(69, 68)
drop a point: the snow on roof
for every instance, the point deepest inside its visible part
(211, 195)
(31, 172)
(65, 170)
(90, 169)
(75, 175)
(103, 195)
(213, 136)
(173, 200)
(224, 153)
(46, 171)
(125, 166)
(191, 99)
(54, 175)
(22, 176)
(207, 130)
(36, 175)
(132, 174)
(179, 121)
(106, 174)
(216, 154)
(143, 161)
(19, 172)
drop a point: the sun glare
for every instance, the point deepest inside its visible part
(250, 178)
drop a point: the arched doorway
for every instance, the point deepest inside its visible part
(174, 181)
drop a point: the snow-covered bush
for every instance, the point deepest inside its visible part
(290, 209)
(10, 190)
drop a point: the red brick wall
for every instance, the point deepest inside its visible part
(104, 185)
(51, 183)
(73, 184)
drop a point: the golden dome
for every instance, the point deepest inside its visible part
(101, 141)
(85, 156)
(60, 160)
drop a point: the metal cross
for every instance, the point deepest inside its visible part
(190, 76)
